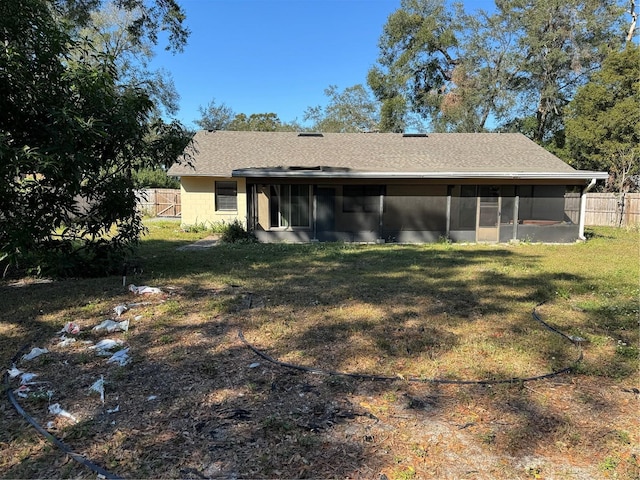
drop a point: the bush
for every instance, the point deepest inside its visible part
(234, 232)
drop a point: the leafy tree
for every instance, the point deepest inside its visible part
(603, 127)
(418, 54)
(522, 63)
(559, 42)
(71, 137)
(352, 110)
(150, 18)
(154, 178)
(215, 117)
(110, 30)
(260, 122)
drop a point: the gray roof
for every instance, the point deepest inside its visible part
(373, 155)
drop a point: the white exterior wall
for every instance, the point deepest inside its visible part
(199, 205)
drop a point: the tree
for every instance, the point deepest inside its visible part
(110, 30)
(521, 64)
(560, 43)
(418, 55)
(215, 117)
(352, 110)
(603, 126)
(261, 122)
(71, 136)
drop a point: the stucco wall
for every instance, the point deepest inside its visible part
(198, 201)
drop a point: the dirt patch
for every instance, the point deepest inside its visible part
(204, 243)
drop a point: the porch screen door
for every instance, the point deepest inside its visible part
(488, 227)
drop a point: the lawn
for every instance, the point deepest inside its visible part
(446, 329)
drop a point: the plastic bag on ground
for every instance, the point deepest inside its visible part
(35, 352)
(71, 328)
(98, 386)
(56, 409)
(111, 326)
(103, 346)
(144, 290)
(25, 378)
(65, 342)
(120, 309)
(121, 357)
(14, 372)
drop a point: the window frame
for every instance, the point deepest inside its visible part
(221, 198)
(282, 206)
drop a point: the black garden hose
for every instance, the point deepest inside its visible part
(364, 376)
(51, 438)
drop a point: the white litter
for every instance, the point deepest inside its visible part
(56, 409)
(114, 410)
(137, 318)
(98, 386)
(50, 425)
(22, 391)
(254, 365)
(111, 326)
(144, 290)
(71, 328)
(65, 342)
(14, 372)
(120, 309)
(26, 378)
(151, 397)
(35, 352)
(121, 357)
(103, 346)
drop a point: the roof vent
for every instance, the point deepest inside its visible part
(310, 134)
(412, 135)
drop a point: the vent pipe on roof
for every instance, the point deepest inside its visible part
(310, 134)
(411, 135)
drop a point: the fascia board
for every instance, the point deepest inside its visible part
(277, 173)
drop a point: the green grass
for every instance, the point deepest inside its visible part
(431, 311)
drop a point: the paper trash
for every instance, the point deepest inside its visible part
(112, 326)
(71, 328)
(35, 352)
(56, 409)
(144, 290)
(121, 357)
(14, 372)
(120, 309)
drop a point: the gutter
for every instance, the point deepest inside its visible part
(583, 207)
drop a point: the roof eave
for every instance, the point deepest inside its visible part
(280, 173)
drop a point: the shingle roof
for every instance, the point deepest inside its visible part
(219, 153)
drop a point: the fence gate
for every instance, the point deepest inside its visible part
(160, 202)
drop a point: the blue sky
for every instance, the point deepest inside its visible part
(259, 56)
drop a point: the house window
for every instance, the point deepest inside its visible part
(226, 196)
(361, 198)
(290, 206)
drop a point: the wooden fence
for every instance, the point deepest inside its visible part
(612, 209)
(601, 209)
(159, 202)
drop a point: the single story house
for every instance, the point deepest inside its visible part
(383, 187)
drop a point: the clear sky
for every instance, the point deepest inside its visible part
(260, 56)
